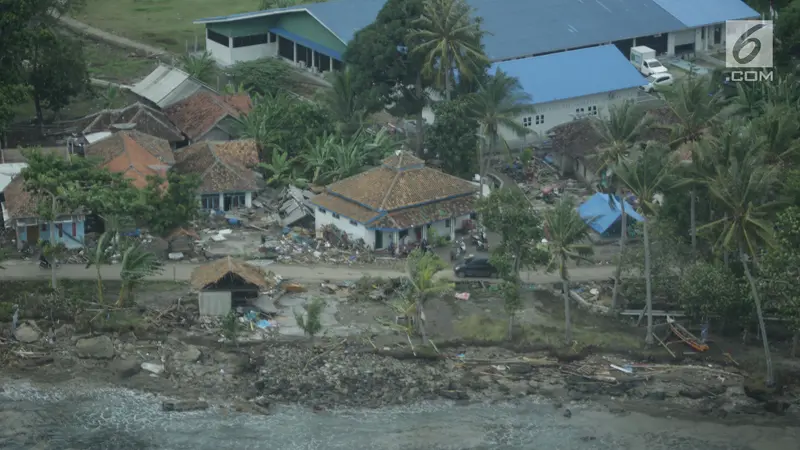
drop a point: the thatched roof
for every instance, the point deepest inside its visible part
(213, 272)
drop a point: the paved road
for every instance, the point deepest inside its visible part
(28, 270)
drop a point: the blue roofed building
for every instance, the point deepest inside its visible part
(571, 85)
(604, 218)
(316, 35)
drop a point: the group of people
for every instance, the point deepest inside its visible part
(405, 248)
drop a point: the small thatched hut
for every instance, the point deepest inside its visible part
(227, 282)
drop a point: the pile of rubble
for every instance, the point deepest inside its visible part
(541, 180)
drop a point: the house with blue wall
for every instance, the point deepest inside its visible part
(401, 200)
(19, 211)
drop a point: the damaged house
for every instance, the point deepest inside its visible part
(227, 283)
(225, 168)
(401, 200)
(136, 116)
(206, 116)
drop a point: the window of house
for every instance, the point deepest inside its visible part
(209, 201)
(353, 222)
(44, 227)
(526, 121)
(447, 223)
(580, 110)
(335, 216)
(539, 119)
(322, 211)
(234, 200)
(272, 38)
(216, 37)
(593, 110)
(248, 41)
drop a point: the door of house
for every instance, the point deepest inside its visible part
(418, 232)
(33, 235)
(378, 239)
(717, 35)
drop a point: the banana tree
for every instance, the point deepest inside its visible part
(137, 264)
(98, 257)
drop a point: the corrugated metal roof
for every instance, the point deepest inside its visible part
(599, 214)
(8, 171)
(575, 73)
(166, 85)
(697, 13)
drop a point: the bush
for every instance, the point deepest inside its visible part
(311, 321)
(708, 289)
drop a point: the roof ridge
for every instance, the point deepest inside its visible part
(397, 175)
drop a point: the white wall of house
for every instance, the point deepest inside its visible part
(354, 230)
(221, 54)
(549, 115)
(253, 52)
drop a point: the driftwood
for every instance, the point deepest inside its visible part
(405, 355)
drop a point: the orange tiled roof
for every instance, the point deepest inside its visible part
(135, 154)
(198, 113)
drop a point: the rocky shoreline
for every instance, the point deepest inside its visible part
(347, 373)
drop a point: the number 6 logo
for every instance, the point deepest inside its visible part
(743, 41)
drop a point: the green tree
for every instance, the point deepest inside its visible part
(265, 76)
(511, 292)
(343, 103)
(646, 176)
(619, 132)
(311, 321)
(568, 239)
(449, 39)
(99, 256)
(384, 70)
(137, 264)
(201, 67)
(712, 289)
(421, 269)
(508, 213)
(163, 210)
(57, 72)
(499, 103)
(787, 36)
(453, 138)
(279, 171)
(739, 190)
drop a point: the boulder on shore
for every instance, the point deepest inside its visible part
(99, 347)
(125, 368)
(184, 405)
(27, 334)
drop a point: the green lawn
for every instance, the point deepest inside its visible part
(161, 23)
(115, 64)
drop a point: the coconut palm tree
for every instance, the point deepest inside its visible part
(449, 39)
(499, 103)
(740, 189)
(697, 104)
(98, 257)
(618, 133)
(647, 175)
(568, 237)
(200, 66)
(421, 268)
(344, 103)
(137, 264)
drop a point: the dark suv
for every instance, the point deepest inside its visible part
(475, 267)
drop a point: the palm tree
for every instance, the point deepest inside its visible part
(98, 257)
(344, 102)
(200, 66)
(259, 123)
(618, 134)
(778, 125)
(279, 170)
(499, 103)
(646, 176)
(740, 189)
(137, 264)
(697, 104)
(421, 268)
(568, 234)
(449, 39)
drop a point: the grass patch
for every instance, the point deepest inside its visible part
(83, 105)
(114, 64)
(160, 23)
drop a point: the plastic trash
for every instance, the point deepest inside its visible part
(462, 295)
(262, 324)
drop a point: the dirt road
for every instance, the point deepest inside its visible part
(27, 270)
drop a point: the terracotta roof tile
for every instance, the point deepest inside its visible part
(344, 207)
(198, 113)
(135, 154)
(425, 214)
(223, 166)
(144, 118)
(400, 183)
(19, 202)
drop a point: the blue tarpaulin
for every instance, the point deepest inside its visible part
(600, 215)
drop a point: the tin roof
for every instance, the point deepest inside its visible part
(694, 13)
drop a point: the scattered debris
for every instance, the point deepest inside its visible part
(153, 368)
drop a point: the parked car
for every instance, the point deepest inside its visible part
(657, 81)
(475, 267)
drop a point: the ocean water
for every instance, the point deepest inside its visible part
(74, 416)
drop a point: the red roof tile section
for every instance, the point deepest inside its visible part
(223, 166)
(196, 115)
(135, 154)
(401, 193)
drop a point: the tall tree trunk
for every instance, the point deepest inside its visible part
(53, 281)
(420, 119)
(618, 272)
(420, 321)
(761, 325)
(795, 340)
(648, 284)
(447, 88)
(121, 296)
(693, 222)
(565, 294)
(37, 103)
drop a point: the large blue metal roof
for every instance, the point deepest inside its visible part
(697, 13)
(518, 28)
(574, 73)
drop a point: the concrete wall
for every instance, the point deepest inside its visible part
(556, 113)
(254, 52)
(355, 230)
(220, 53)
(64, 233)
(214, 303)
